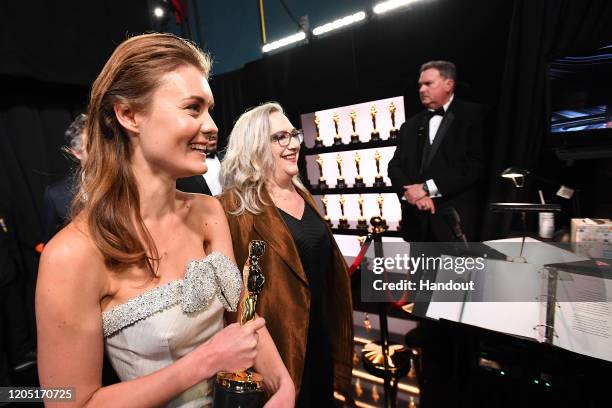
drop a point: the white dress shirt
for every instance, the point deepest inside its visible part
(212, 175)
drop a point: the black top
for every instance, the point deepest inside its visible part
(314, 247)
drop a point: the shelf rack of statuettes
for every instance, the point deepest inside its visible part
(358, 187)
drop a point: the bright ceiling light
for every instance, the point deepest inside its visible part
(158, 12)
(341, 22)
(283, 42)
(391, 5)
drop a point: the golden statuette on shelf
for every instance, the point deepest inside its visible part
(244, 388)
(380, 200)
(325, 201)
(337, 137)
(322, 183)
(394, 132)
(375, 135)
(318, 140)
(379, 180)
(354, 135)
(343, 222)
(362, 223)
(340, 182)
(358, 178)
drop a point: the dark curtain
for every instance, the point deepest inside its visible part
(229, 103)
(49, 54)
(539, 31)
(65, 42)
(33, 116)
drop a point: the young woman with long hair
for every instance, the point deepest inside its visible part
(144, 271)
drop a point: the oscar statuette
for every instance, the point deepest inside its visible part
(318, 140)
(358, 178)
(340, 182)
(383, 223)
(325, 201)
(244, 389)
(394, 131)
(354, 135)
(337, 137)
(322, 183)
(379, 181)
(375, 135)
(343, 222)
(362, 223)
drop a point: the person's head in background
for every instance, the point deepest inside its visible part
(263, 148)
(437, 83)
(211, 145)
(76, 138)
(148, 124)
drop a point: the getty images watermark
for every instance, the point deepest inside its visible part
(410, 265)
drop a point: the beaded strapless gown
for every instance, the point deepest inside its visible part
(156, 328)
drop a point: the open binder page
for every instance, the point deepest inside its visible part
(507, 298)
(522, 319)
(511, 300)
(583, 318)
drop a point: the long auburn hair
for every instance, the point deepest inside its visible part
(108, 196)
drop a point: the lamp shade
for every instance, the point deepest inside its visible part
(516, 174)
(512, 172)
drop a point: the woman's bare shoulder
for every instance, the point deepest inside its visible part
(73, 256)
(201, 205)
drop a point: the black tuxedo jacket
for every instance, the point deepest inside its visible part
(455, 163)
(56, 204)
(193, 184)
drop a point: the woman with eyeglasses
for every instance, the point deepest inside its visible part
(306, 298)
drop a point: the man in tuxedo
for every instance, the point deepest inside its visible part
(439, 159)
(436, 166)
(208, 183)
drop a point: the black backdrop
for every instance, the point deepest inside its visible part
(50, 54)
(541, 30)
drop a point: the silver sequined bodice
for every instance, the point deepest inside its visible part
(156, 328)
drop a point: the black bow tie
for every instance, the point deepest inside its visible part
(432, 113)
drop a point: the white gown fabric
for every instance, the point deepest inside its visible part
(156, 328)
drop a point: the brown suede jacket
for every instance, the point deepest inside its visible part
(285, 298)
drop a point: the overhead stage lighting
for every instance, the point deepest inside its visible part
(341, 22)
(386, 6)
(283, 42)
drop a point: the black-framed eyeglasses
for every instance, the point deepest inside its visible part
(284, 138)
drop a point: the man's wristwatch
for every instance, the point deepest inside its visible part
(426, 188)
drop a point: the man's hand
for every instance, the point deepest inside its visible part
(426, 204)
(414, 192)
